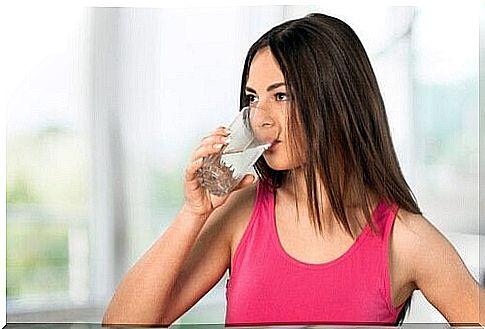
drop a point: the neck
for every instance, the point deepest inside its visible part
(294, 189)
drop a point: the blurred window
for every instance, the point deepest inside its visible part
(47, 166)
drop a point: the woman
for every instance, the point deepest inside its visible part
(330, 232)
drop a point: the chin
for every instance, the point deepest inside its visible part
(281, 165)
(279, 168)
(277, 165)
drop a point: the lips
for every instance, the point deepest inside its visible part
(274, 144)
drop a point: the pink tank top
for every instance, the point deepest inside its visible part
(269, 287)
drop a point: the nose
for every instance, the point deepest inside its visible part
(265, 126)
(264, 109)
(262, 117)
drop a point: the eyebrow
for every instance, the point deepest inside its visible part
(270, 87)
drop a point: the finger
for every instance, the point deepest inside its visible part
(206, 150)
(215, 139)
(218, 132)
(191, 171)
(223, 130)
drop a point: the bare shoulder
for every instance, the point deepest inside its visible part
(413, 230)
(407, 224)
(436, 268)
(238, 203)
(410, 232)
(405, 233)
(236, 211)
(418, 244)
(245, 203)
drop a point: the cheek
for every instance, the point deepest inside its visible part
(280, 159)
(294, 143)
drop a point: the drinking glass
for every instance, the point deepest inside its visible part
(251, 133)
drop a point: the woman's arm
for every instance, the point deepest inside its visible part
(187, 260)
(180, 268)
(144, 294)
(439, 272)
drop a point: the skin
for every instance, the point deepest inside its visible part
(196, 250)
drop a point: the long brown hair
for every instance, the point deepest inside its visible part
(338, 113)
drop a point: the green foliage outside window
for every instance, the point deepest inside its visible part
(46, 194)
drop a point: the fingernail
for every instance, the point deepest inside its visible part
(227, 140)
(217, 146)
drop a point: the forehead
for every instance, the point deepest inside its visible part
(264, 70)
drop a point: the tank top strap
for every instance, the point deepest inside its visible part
(264, 192)
(388, 218)
(383, 217)
(258, 226)
(263, 202)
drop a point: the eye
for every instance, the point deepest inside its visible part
(281, 97)
(251, 99)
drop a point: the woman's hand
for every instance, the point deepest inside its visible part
(198, 200)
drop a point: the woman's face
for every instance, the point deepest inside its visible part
(266, 89)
